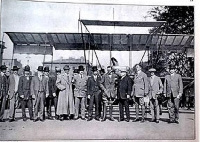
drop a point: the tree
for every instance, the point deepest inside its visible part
(179, 19)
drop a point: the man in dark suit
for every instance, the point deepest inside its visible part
(139, 91)
(173, 90)
(39, 88)
(123, 94)
(155, 89)
(24, 91)
(3, 92)
(52, 92)
(93, 91)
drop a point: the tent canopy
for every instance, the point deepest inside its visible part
(99, 41)
(123, 23)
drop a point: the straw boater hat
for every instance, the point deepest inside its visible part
(94, 68)
(40, 68)
(46, 69)
(152, 70)
(66, 67)
(80, 68)
(3, 67)
(27, 68)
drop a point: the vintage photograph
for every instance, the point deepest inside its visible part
(96, 71)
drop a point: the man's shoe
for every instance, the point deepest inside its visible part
(170, 121)
(2, 120)
(12, 120)
(160, 113)
(50, 118)
(157, 121)
(31, 118)
(104, 119)
(42, 120)
(142, 121)
(24, 119)
(35, 120)
(112, 119)
(127, 120)
(83, 118)
(153, 120)
(136, 119)
(176, 121)
(122, 119)
(97, 119)
(89, 119)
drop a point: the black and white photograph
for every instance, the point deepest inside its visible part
(92, 70)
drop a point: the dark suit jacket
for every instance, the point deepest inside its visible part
(52, 86)
(124, 87)
(24, 87)
(4, 85)
(93, 86)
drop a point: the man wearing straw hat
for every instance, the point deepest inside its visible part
(3, 91)
(155, 89)
(12, 92)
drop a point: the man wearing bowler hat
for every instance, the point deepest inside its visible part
(80, 82)
(173, 90)
(3, 91)
(39, 88)
(24, 92)
(155, 89)
(12, 92)
(52, 92)
(93, 91)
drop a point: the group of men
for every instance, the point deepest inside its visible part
(70, 93)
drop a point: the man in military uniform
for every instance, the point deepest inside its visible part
(173, 90)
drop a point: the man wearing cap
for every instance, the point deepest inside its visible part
(155, 89)
(139, 91)
(173, 90)
(24, 92)
(80, 82)
(52, 92)
(123, 94)
(93, 91)
(109, 93)
(3, 92)
(12, 92)
(65, 105)
(39, 88)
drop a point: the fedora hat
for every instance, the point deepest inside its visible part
(58, 70)
(3, 67)
(66, 67)
(75, 71)
(46, 69)
(40, 68)
(27, 68)
(152, 70)
(94, 68)
(15, 68)
(80, 68)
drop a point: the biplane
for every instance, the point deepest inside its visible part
(43, 43)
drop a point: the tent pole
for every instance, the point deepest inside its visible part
(51, 61)
(12, 57)
(1, 50)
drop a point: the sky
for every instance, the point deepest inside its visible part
(26, 16)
